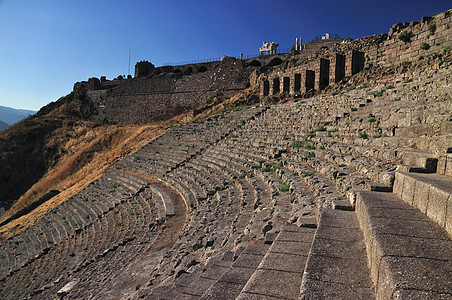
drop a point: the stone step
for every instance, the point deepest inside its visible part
(279, 274)
(445, 164)
(231, 283)
(167, 202)
(409, 255)
(337, 264)
(430, 193)
(187, 195)
(194, 284)
(421, 159)
(161, 212)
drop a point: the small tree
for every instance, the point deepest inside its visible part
(405, 36)
(425, 46)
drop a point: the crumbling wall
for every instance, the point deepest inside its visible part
(167, 91)
(430, 35)
(315, 70)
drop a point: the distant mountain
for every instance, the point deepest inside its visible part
(3, 125)
(11, 115)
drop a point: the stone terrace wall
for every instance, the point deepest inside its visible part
(167, 93)
(316, 70)
(435, 32)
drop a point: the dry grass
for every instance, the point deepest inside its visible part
(86, 153)
(86, 158)
(241, 98)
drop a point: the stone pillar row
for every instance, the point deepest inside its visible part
(316, 74)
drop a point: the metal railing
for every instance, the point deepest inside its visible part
(207, 60)
(191, 62)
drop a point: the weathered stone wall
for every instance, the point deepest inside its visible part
(161, 93)
(167, 91)
(330, 64)
(436, 32)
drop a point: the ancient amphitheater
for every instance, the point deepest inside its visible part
(344, 195)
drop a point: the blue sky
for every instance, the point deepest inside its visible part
(48, 45)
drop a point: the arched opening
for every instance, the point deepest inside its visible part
(275, 62)
(202, 69)
(286, 85)
(266, 87)
(255, 63)
(188, 71)
(297, 83)
(324, 79)
(177, 71)
(357, 61)
(276, 88)
(310, 80)
(339, 72)
(157, 71)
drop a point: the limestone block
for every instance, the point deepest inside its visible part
(421, 196)
(448, 167)
(408, 190)
(398, 184)
(441, 167)
(449, 216)
(67, 288)
(437, 205)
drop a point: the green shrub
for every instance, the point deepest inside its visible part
(297, 144)
(210, 100)
(425, 46)
(309, 146)
(432, 28)
(379, 93)
(310, 154)
(266, 169)
(306, 174)
(89, 111)
(363, 135)
(405, 36)
(284, 187)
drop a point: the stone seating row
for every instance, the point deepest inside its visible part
(68, 219)
(117, 227)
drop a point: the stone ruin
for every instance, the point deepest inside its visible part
(270, 48)
(344, 195)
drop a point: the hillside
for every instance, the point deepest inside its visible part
(10, 115)
(328, 177)
(54, 149)
(3, 125)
